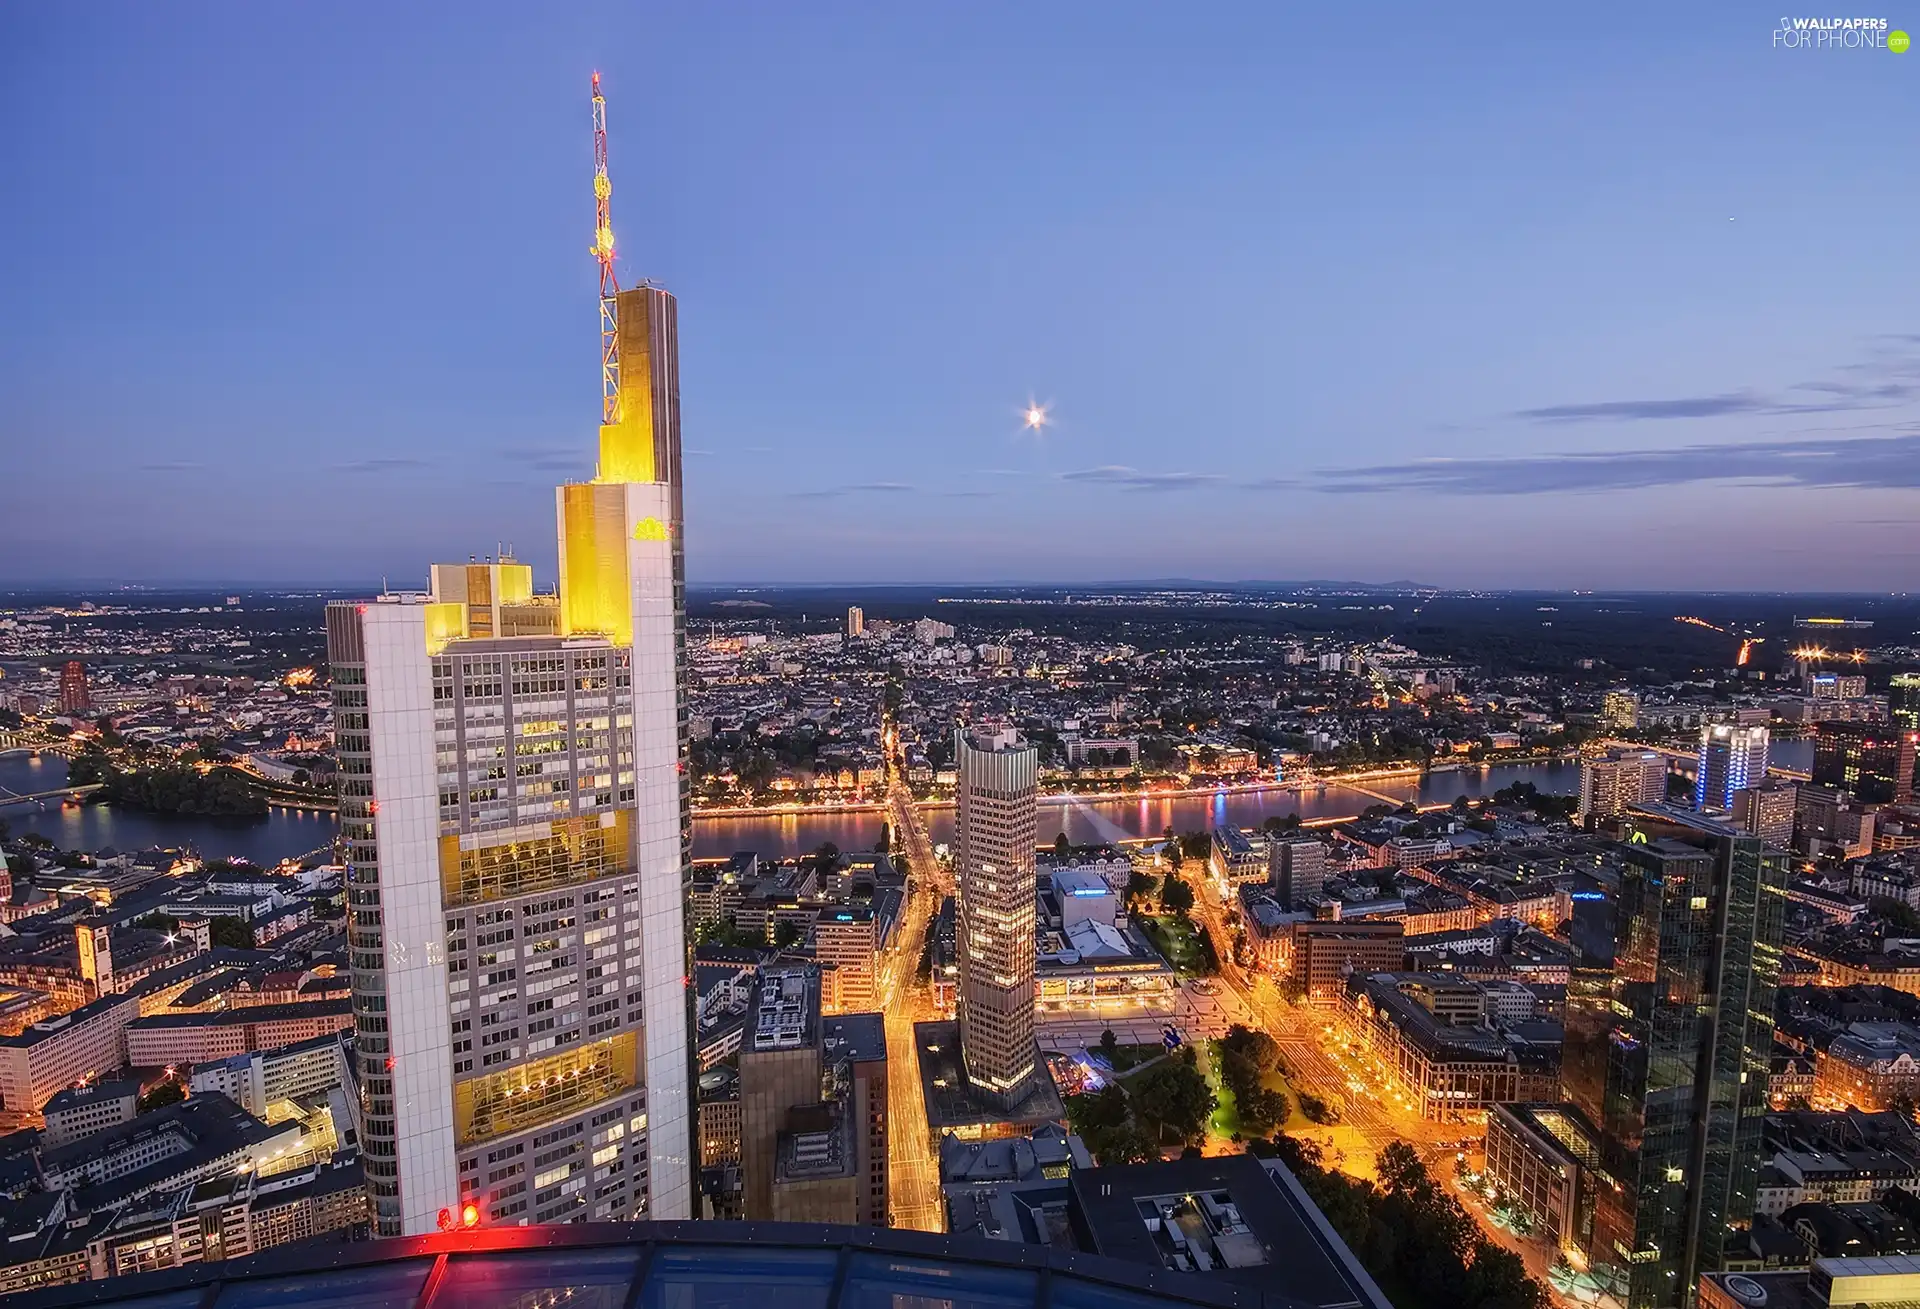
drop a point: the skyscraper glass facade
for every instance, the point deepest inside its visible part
(1668, 1031)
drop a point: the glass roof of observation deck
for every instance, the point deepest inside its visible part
(661, 1266)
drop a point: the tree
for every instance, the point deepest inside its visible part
(827, 856)
(168, 1092)
(231, 933)
(1109, 1045)
(1176, 895)
(1139, 886)
(1899, 916)
(1262, 1110)
(1062, 847)
(885, 843)
(1172, 1096)
(1172, 852)
(786, 933)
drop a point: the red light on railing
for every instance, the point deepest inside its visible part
(470, 1216)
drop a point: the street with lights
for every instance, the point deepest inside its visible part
(1321, 1058)
(913, 1171)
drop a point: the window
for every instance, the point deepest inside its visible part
(581, 1279)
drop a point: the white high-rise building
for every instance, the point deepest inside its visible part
(999, 796)
(1731, 759)
(856, 622)
(514, 802)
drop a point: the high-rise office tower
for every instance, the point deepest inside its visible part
(999, 795)
(1875, 761)
(1668, 1034)
(1766, 809)
(1903, 700)
(1296, 868)
(514, 803)
(1616, 781)
(856, 621)
(74, 696)
(1730, 758)
(813, 1102)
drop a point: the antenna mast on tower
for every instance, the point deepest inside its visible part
(603, 252)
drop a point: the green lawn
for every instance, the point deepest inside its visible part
(1226, 1115)
(1128, 1057)
(1175, 938)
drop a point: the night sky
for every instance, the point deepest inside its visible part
(1544, 296)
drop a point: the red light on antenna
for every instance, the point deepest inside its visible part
(470, 1216)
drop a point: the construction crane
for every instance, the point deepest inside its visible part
(603, 252)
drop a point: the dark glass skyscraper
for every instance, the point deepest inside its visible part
(1669, 1026)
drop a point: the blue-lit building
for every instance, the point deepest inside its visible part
(1731, 759)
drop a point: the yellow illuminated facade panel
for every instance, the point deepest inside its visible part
(595, 595)
(629, 448)
(445, 623)
(577, 850)
(516, 1099)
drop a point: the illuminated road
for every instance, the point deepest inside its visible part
(913, 1172)
(1372, 1112)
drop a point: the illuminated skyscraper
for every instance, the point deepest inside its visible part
(74, 696)
(514, 802)
(999, 796)
(1614, 782)
(1903, 700)
(1731, 758)
(1668, 1034)
(1875, 761)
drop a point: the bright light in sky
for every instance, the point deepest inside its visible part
(1036, 417)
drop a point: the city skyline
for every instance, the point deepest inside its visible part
(1419, 303)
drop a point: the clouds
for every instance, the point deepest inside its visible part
(1861, 462)
(556, 459)
(1706, 406)
(382, 465)
(1132, 479)
(853, 488)
(1888, 376)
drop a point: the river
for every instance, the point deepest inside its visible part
(284, 833)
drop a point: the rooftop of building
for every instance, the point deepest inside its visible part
(255, 1013)
(785, 1013)
(1080, 883)
(1562, 1127)
(1047, 1152)
(94, 1093)
(950, 1101)
(49, 1028)
(861, 1038)
(1245, 1219)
